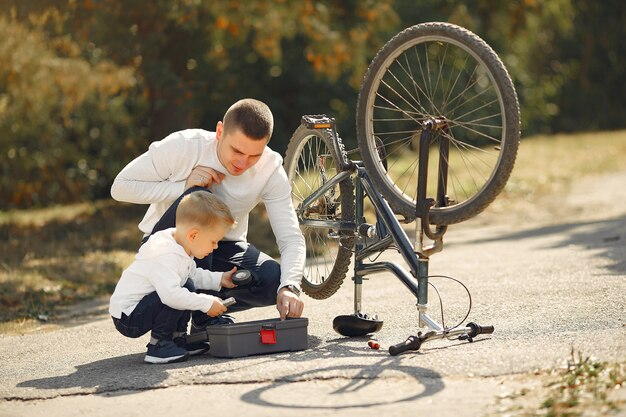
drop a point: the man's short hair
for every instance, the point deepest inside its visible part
(252, 117)
(203, 209)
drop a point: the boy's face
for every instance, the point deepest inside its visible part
(236, 151)
(203, 241)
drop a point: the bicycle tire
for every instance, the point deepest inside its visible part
(328, 252)
(403, 87)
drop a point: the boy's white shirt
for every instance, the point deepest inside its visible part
(158, 177)
(162, 265)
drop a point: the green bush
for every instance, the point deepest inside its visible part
(66, 121)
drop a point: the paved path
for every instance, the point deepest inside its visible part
(548, 284)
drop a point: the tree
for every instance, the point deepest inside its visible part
(60, 116)
(85, 85)
(174, 64)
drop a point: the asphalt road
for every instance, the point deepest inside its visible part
(550, 280)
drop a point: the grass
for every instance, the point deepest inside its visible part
(59, 255)
(584, 387)
(545, 165)
(550, 164)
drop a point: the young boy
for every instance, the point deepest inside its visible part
(156, 292)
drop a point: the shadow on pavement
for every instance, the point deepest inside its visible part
(606, 236)
(352, 384)
(349, 381)
(111, 375)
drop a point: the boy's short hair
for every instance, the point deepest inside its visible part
(203, 209)
(252, 117)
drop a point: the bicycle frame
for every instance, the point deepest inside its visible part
(416, 255)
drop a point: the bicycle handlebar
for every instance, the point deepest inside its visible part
(412, 343)
(476, 329)
(470, 331)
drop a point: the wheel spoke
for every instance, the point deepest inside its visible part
(437, 70)
(309, 165)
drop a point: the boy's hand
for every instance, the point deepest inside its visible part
(217, 308)
(227, 278)
(203, 177)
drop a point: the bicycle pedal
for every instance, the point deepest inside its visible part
(318, 121)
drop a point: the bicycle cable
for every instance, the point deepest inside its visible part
(469, 295)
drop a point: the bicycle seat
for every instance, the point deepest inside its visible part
(358, 324)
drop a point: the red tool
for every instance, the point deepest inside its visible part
(373, 343)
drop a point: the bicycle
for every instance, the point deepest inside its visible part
(433, 84)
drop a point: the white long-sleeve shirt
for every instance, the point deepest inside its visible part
(158, 177)
(162, 265)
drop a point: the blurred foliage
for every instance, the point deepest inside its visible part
(63, 118)
(86, 85)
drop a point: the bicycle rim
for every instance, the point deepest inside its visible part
(445, 72)
(309, 163)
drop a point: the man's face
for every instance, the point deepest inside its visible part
(236, 151)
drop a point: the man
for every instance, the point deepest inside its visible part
(234, 163)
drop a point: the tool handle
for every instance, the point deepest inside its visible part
(229, 301)
(412, 343)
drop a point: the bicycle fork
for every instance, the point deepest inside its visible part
(423, 206)
(416, 256)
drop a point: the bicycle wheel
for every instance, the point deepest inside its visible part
(310, 163)
(439, 70)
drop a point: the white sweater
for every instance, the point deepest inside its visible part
(162, 265)
(158, 177)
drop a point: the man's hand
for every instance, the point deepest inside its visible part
(203, 177)
(288, 304)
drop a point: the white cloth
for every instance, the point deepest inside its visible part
(162, 265)
(158, 177)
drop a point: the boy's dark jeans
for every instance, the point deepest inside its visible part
(265, 271)
(152, 314)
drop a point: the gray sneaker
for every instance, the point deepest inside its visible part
(165, 351)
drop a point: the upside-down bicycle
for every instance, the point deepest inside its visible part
(434, 92)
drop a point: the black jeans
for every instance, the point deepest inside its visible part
(152, 314)
(265, 271)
